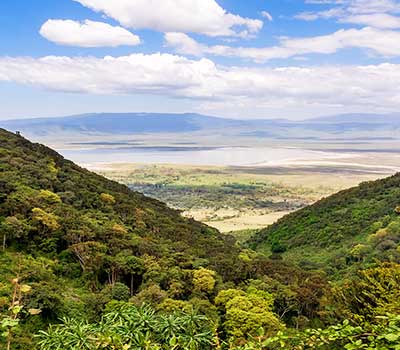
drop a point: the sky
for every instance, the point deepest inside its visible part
(244, 59)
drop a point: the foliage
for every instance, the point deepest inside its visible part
(107, 198)
(9, 323)
(382, 335)
(203, 280)
(370, 293)
(125, 326)
(248, 312)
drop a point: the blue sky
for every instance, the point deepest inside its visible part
(243, 59)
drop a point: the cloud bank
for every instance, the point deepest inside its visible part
(363, 87)
(379, 42)
(374, 13)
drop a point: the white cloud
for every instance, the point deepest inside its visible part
(197, 16)
(157, 73)
(183, 44)
(373, 87)
(87, 34)
(373, 13)
(186, 45)
(370, 6)
(377, 20)
(312, 16)
(267, 15)
(360, 6)
(380, 42)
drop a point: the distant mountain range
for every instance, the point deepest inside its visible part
(345, 125)
(384, 119)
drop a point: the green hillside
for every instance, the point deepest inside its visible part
(353, 227)
(48, 204)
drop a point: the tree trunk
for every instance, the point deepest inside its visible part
(4, 242)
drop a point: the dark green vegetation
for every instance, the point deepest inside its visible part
(235, 196)
(88, 264)
(351, 229)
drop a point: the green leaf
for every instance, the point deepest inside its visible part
(392, 337)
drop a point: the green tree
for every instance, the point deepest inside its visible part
(107, 198)
(204, 280)
(372, 292)
(246, 313)
(47, 220)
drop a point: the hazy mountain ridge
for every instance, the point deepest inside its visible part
(359, 118)
(157, 123)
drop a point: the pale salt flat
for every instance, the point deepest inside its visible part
(225, 156)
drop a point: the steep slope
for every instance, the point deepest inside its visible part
(353, 226)
(42, 191)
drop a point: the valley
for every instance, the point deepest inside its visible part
(234, 175)
(175, 223)
(230, 174)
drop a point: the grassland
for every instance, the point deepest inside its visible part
(234, 198)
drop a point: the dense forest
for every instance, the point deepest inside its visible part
(86, 263)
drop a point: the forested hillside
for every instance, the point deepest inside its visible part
(353, 227)
(88, 264)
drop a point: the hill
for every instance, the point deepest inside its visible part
(34, 176)
(352, 228)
